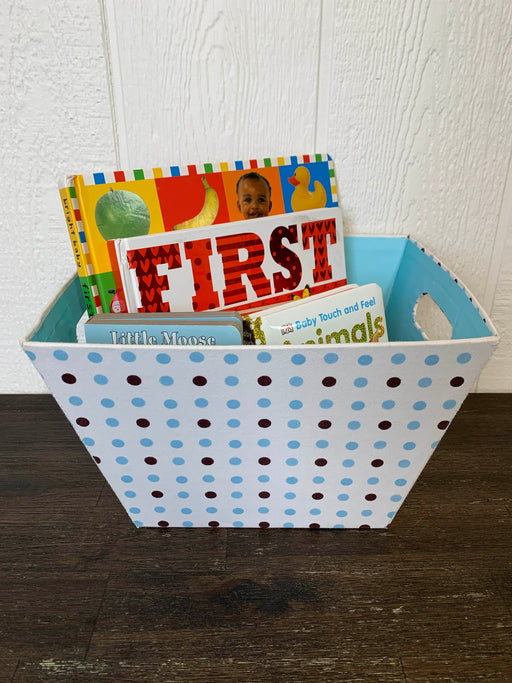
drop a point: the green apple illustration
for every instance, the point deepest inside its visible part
(120, 213)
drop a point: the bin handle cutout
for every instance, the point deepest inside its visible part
(430, 319)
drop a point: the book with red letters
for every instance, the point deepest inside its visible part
(242, 265)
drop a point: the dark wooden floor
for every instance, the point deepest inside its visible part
(86, 596)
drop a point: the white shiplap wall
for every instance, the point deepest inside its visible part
(412, 99)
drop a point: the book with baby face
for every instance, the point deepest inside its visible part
(240, 266)
(346, 315)
(101, 206)
(181, 329)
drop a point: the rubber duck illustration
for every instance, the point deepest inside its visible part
(302, 198)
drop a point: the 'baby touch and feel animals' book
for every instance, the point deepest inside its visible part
(103, 206)
(242, 265)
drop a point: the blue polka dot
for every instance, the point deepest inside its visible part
(357, 405)
(186, 511)
(59, 354)
(294, 424)
(233, 423)
(264, 443)
(235, 443)
(464, 358)
(404, 463)
(289, 495)
(432, 359)
(398, 358)
(351, 445)
(290, 512)
(138, 402)
(159, 508)
(346, 481)
(146, 443)
(379, 445)
(360, 382)
(173, 423)
(387, 405)
(201, 402)
(237, 480)
(233, 404)
(238, 511)
(288, 525)
(419, 405)
(163, 358)
(298, 359)
(170, 403)
(409, 446)
(196, 357)
(354, 424)
(263, 510)
(95, 357)
(137, 523)
(181, 480)
(365, 359)
(373, 480)
(237, 494)
(121, 460)
(128, 356)
(107, 403)
(112, 422)
(400, 482)
(291, 480)
(135, 511)
(366, 513)
(235, 461)
(295, 405)
(208, 478)
(315, 511)
(31, 355)
(414, 424)
(318, 480)
(100, 379)
(166, 381)
(154, 477)
(87, 441)
(263, 478)
(331, 358)
(391, 515)
(182, 494)
(293, 444)
(231, 381)
(187, 523)
(237, 523)
(264, 357)
(296, 381)
(211, 510)
(264, 402)
(130, 494)
(76, 400)
(343, 496)
(321, 443)
(341, 513)
(424, 382)
(118, 443)
(178, 461)
(396, 498)
(292, 462)
(434, 444)
(326, 403)
(348, 463)
(231, 358)
(449, 404)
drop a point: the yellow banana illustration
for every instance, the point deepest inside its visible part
(207, 214)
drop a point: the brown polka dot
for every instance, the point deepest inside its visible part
(264, 525)
(385, 424)
(82, 421)
(199, 381)
(329, 381)
(314, 525)
(68, 378)
(264, 423)
(134, 380)
(264, 380)
(157, 494)
(150, 460)
(377, 462)
(207, 461)
(204, 423)
(96, 459)
(142, 422)
(443, 424)
(213, 523)
(210, 494)
(317, 496)
(264, 494)
(365, 526)
(370, 496)
(394, 382)
(320, 462)
(457, 381)
(163, 523)
(264, 461)
(325, 424)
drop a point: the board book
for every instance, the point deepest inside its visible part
(242, 265)
(110, 205)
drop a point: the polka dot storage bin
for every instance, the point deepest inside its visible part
(327, 436)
